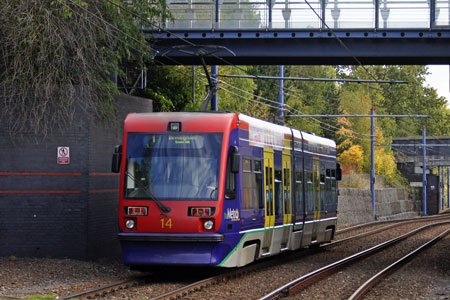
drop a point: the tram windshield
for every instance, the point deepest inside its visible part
(173, 166)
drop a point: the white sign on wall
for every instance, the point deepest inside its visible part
(63, 157)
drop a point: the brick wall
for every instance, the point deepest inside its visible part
(103, 185)
(51, 210)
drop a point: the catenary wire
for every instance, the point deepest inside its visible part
(124, 33)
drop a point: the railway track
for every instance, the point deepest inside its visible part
(380, 229)
(108, 288)
(373, 281)
(229, 275)
(324, 272)
(184, 291)
(396, 223)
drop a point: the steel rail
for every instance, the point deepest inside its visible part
(364, 234)
(326, 271)
(106, 289)
(364, 288)
(4, 297)
(185, 290)
(196, 286)
(420, 219)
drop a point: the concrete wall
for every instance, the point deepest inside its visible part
(53, 210)
(355, 205)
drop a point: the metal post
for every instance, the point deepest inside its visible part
(448, 190)
(432, 12)
(443, 189)
(270, 12)
(193, 84)
(424, 174)
(217, 12)
(440, 187)
(377, 14)
(448, 187)
(372, 160)
(281, 94)
(323, 14)
(214, 102)
(443, 196)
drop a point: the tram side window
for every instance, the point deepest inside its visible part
(329, 195)
(323, 191)
(278, 193)
(252, 184)
(230, 183)
(247, 186)
(259, 183)
(298, 191)
(309, 192)
(287, 196)
(316, 193)
(333, 187)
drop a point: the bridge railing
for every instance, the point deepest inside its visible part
(297, 14)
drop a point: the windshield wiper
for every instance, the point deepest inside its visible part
(162, 207)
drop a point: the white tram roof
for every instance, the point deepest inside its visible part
(269, 133)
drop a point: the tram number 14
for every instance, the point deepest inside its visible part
(166, 223)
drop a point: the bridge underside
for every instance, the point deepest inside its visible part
(407, 47)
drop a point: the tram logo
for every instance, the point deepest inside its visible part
(232, 214)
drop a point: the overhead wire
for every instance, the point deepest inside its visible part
(213, 55)
(293, 109)
(254, 95)
(350, 52)
(249, 99)
(228, 63)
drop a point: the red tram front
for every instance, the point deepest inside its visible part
(220, 189)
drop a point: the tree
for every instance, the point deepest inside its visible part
(237, 94)
(170, 88)
(53, 52)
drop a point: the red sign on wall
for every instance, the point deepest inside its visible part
(63, 156)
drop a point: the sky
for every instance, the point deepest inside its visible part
(439, 79)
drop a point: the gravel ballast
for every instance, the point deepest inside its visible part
(22, 277)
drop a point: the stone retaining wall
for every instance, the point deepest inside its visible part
(355, 205)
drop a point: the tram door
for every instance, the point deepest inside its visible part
(287, 202)
(316, 197)
(269, 198)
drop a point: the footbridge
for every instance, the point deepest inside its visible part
(304, 32)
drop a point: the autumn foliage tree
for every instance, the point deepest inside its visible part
(350, 155)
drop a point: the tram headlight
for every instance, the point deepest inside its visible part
(130, 224)
(208, 225)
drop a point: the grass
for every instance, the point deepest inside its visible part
(32, 297)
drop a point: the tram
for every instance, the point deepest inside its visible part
(221, 189)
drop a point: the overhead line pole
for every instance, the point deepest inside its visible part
(372, 160)
(214, 101)
(372, 117)
(281, 94)
(424, 171)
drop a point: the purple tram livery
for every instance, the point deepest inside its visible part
(221, 189)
